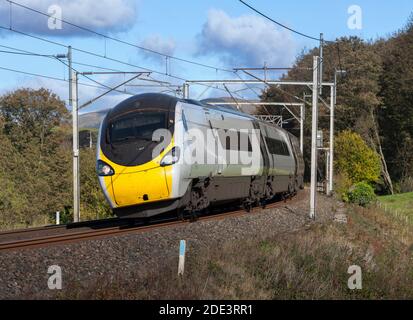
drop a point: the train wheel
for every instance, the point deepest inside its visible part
(263, 204)
(247, 207)
(194, 216)
(181, 215)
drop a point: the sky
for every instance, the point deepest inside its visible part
(223, 34)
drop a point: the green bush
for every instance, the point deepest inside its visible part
(361, 194)
(356, 160)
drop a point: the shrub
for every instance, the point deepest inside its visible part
(355, 159)
(361, 194)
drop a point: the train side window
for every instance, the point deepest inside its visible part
(241, 140)
(286, 150)
(233, 140)
(184, 121)
(228, 143)
(277, 147)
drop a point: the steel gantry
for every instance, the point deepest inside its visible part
(315, 85)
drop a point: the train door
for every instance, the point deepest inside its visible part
(281, 154)
(200, 152)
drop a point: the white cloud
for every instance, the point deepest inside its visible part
(158, 44)
(102, 15)
(245, 40)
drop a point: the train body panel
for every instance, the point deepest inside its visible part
(199, 165)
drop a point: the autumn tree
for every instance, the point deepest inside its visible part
(355, 159)
(358, 99)
(37, 165)
(396, 112)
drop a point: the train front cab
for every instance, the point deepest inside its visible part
(129, 175)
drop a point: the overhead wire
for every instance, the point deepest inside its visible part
(29, 53)
(100, 85)
(279, 23)
(55, 78)
(295, 31)
(101, 56)
(116, 39)
(168, 74)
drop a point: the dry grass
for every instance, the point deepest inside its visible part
(308, 264)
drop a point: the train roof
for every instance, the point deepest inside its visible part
(164, 101)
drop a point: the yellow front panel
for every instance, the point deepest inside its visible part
(131, 188)
(131, 185)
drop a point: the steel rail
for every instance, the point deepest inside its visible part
(49, 240)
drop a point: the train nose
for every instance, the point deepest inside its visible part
(140, 187)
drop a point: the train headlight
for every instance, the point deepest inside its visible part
(171, 157)
(104, 170)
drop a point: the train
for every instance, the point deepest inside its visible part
(158, 153)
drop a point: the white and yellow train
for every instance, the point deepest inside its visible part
(139, 182)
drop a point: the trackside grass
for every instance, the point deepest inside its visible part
(400, 205)
(311, 263)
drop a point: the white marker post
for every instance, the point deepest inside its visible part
(181, 265)
(57, 217)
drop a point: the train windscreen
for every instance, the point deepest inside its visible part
(138, 126)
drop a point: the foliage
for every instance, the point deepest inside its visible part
(30, 117)
(36, 162)
(93, 202)
(396, 113)
(355, 159)
(361, 194)
(358, 90)
(374, 96)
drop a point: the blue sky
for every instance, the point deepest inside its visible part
(225, 34)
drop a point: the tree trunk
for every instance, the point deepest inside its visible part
(385, 171)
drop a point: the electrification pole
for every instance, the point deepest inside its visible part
(333, 104)
(320, 77)
(73, 101)
(185, 90)
(330, 186)
(314, 153)
(302, 117)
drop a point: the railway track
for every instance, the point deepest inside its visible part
(63, 234)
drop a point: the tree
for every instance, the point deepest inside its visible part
(396, 112)
(37, 166)
(36, 162)
(31, 115)
(358, 99)
(93, 202)
(355, 159)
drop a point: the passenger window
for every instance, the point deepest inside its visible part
(234, 141)
(184, 121)
(277, 147)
